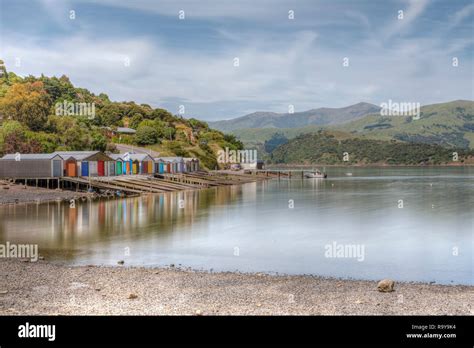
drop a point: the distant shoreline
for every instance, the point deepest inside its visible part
(275, 166)
(45, 288)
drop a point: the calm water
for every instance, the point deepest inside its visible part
(252, 227)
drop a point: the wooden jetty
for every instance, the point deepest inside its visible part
(127, 185)
(297, 174)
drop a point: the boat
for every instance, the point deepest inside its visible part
(315, 174)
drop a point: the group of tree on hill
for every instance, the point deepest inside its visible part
(30, 123)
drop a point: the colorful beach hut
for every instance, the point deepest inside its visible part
(144, 163)
(174, 164)
(119, 164)
(88, 163)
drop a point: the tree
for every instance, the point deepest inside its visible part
(28, 103)
(276, 140)
(99, 142)
(169, 133)
(135, 121)
(146, 135)
(197, 124)
(110, 114)
(162, 114)
(8, 128)
(75, 139)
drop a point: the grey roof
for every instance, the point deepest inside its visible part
(116, 156)
(31, 156)
(140, 157)
(78, 155)
(171, 159)
(126, 130)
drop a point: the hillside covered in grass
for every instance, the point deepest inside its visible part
(324, 148)
(35, 117)
(446, 124)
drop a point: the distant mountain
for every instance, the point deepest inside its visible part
(319, 117)
(446, 124)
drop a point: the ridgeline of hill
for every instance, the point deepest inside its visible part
(448, 124)
(30, 122)
(318, 117)
(324, 148)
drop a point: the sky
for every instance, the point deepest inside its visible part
(222, 59)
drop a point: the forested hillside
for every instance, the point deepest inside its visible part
(324, 148)
(30, 122)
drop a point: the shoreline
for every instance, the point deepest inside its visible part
(49, 288)
(20, 195)
(452, 165)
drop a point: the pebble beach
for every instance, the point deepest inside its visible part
(46, 288)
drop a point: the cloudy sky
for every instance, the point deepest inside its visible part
(141, 50)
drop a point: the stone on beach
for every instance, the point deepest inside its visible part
(386, 285)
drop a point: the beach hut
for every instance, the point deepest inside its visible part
(119, 164)
(128, 167)
(191, 164)
(176, 164)
(89, 163)
(145, 163)
(110, 168)
(160, 166)
(31, 166)
(259, 164)
(70, 167)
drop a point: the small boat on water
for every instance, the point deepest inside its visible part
(315, 174)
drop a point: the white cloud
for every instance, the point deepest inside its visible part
(461, 15)
(294, 67)
(411, 13)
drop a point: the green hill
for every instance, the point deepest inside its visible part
(446, 124)
(324, 148)
(313, 117)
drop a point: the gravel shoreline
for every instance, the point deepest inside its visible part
(18, 194)
(45, 288)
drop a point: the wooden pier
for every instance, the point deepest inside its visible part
(128, 185)
(289, 174)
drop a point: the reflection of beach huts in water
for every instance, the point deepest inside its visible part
(142, 163)
(88, 163)
(31, 166)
